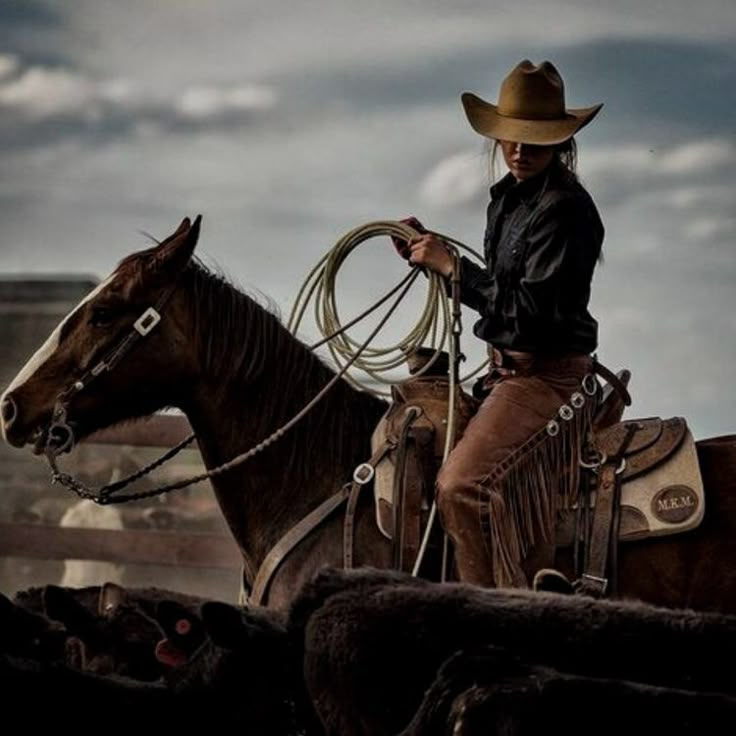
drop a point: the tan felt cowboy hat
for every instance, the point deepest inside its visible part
(531, 108)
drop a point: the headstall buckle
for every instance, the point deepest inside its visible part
(147, 321)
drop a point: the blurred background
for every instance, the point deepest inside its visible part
(286, 124)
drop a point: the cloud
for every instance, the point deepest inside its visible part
(690, 196)
(209, 102)
(286, 126)
(710, 228)
(676, 177)
(692, 157)
(280, 36)
(40, 93)
(455, 180)
(37, 98)
(8, 65)
(708, 155)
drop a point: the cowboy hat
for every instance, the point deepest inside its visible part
(531, 108)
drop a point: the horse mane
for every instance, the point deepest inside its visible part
(260, 361)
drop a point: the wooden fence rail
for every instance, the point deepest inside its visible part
(159, 430)
(131, 546)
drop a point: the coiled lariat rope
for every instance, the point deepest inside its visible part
(433, 327)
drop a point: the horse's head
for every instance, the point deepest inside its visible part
(111, 358)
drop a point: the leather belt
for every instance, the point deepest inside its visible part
(503, 360)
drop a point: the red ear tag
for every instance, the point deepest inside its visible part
(182, 627)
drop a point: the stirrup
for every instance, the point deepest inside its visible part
(549, 580)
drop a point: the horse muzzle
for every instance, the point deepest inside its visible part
(55, 435)
(8, 422)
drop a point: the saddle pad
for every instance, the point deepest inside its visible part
(666, 500)
(662, 489)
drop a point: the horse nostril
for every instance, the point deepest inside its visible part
(8, 411)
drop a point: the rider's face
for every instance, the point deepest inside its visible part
(525, 160)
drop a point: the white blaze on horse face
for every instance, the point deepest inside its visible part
(47, 350)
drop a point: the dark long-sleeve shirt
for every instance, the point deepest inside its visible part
(543, 238)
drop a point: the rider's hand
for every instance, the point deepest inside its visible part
(430, 251)
(401, 245)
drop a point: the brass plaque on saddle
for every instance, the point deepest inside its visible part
(675, 504)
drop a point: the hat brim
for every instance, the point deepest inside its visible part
(486, 120)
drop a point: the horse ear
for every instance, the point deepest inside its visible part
(184, 225)
(173, 254)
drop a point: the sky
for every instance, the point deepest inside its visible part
(286, 124)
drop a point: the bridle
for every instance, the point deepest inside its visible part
(60, 433)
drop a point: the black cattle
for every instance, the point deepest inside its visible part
(492, 692)
(104, 599)
(237, 670)
(26, 634)
(54, 696)
(248, 664)
(108, 629)
(120, 641)
(372, 650)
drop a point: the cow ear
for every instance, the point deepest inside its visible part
(173, 254)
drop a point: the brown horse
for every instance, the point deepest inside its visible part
(238, 375)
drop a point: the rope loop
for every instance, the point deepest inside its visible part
(434, 327)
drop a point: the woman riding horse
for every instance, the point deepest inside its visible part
(543, 238)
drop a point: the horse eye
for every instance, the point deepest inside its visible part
(101, 317)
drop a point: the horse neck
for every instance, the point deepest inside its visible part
(251, 389)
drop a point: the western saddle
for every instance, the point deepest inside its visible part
(640, 477)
